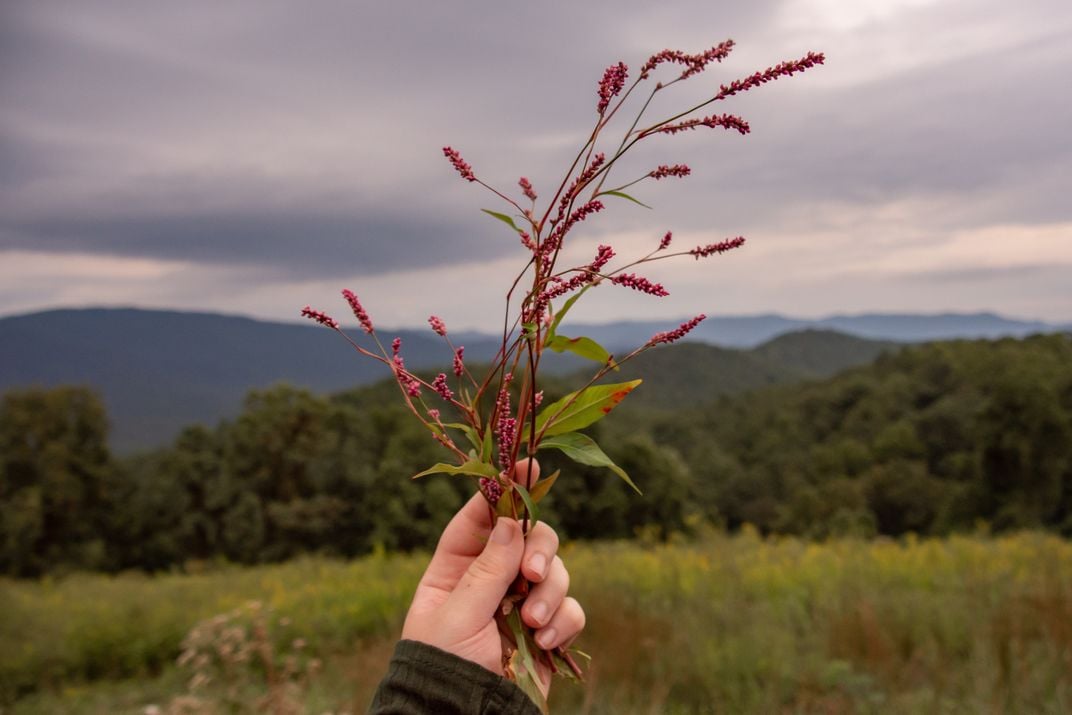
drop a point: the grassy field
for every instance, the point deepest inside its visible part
(728, 624)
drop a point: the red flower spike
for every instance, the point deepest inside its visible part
(526, 188)
(678, 333)
(459, 367)
(726, 121)
(438, 327)
(320, 317)
(440, 386)
(638, 283)
(459, 164)
(611, 85)
(491, 490)
(677, 170)
(720, 247)
(359, 312)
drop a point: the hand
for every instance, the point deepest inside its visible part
(472, 569)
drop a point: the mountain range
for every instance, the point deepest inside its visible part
(161, 370)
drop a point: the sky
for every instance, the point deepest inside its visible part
(253, 157)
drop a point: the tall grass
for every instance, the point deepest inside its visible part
(725, 625)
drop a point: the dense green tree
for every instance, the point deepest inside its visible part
(931, 439)
(54, 480)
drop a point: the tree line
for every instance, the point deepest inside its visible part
(929, 439)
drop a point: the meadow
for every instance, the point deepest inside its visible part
(720, 624)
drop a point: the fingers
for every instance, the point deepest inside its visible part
(565, 625)
(540, 548)
(460, 543)
(484, 583)
(546, 597)
(522, 474)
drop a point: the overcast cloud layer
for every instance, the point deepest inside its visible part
(252, 157)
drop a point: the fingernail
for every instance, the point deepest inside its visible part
(538, 564)
(502, 533)
(546, 637)
(538, 611)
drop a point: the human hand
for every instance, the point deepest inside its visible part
(473, 567)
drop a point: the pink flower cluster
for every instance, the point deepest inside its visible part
(438, 326)
(526, 188)
(359, 312)
(693, 63)
(678, 332)
(782, 69)
(409, 383)
(586, 275)
(639, 283)
(720, 247)
(459, 164)
(440, 386)
(579, 183)
(612, 83)
(320, 317)
(459, 366)
(677, 170)
(492, 490)
(554, 240)
(665, 242)
(727, 121)
(505, 425)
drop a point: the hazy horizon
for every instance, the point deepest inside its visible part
(257, 157)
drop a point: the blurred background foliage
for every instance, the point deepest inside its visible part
(928, 440)
(755, 574)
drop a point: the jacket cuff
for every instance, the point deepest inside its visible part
(424, 679)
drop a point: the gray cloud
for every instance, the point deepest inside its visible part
(304, 141)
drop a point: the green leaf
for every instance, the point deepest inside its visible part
(527, 673)
(470, 433)
(561, 313)
(585, 347)
(579, 409)
(504, 218)
(534, 513)
(487, 446)
(471, 468)
(624, 195)
(543, 486)
(583, 449)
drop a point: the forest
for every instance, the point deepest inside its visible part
(929, 439)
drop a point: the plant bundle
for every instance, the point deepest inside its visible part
(486, 421)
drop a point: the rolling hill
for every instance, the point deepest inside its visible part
(161, 370)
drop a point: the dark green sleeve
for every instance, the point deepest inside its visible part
(424, 680)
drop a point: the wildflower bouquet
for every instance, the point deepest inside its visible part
(485, 421)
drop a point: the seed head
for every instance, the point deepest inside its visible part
(320, 317)
(359, 312)
(639, 283)
(611, 85)
(677, 333)
(440, 385)
(459, 366)
(491, 490)
(721, 247)
(526, 188)
(459, 164)
(677, 170)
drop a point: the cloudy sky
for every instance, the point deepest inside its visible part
(252, 157)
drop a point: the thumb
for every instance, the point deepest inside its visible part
(481, 589)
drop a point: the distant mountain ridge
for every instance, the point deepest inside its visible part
(161, 370)
(752, 330)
